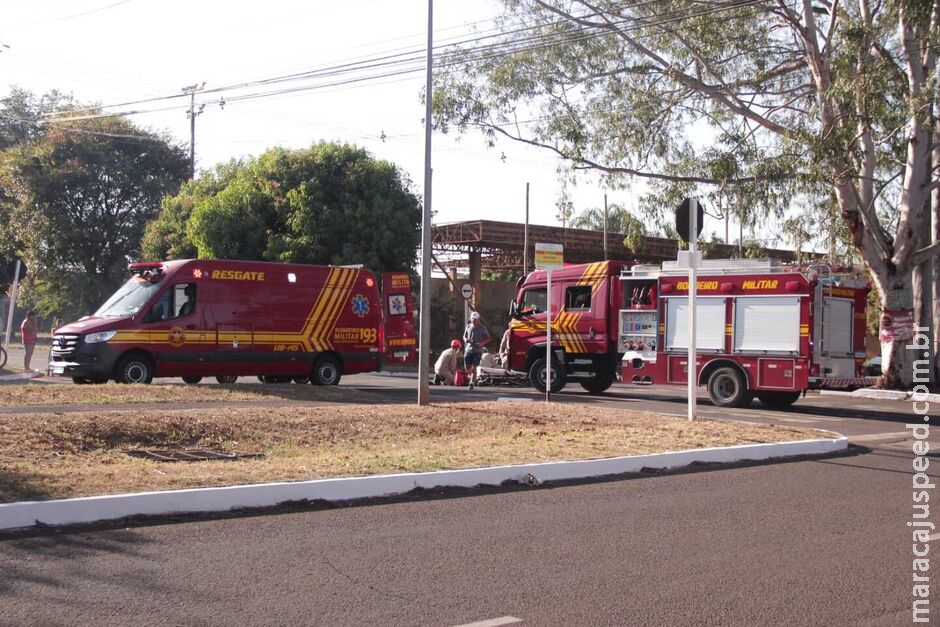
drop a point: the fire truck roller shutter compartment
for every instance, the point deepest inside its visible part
(767, 324)
(710, 323)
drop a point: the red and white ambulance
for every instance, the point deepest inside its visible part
(221, 318)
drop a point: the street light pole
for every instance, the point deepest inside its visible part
(424, 345)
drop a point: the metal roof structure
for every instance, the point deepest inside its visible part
(494, 245)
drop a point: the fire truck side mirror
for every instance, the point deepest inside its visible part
(513, 310)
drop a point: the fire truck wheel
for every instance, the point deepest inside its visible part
(778, 399)
(537, 376)
(326, 371)
(192, 379)
(228, 378)
(134, 368)
(597, 384)
(726, 388)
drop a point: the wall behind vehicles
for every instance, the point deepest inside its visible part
(447, 311)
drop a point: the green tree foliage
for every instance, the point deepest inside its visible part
(76, 198)
(820, 111)
(328, 204)
(619, 221)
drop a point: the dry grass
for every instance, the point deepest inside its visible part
(54, 456)
(39, 393)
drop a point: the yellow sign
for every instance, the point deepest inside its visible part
(549, 256)
(237, 275)
(702, 285)
(762, 284)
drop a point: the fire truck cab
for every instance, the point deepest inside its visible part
(762, 329)
(585, 302)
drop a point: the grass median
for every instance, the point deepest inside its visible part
(43, 393)
(45, 455)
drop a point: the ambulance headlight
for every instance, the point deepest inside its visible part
(103, 336)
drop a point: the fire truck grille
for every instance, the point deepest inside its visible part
(64, 346)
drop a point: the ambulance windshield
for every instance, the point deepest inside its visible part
(128, 300)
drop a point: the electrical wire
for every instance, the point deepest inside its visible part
(409, 56)
(405, 66)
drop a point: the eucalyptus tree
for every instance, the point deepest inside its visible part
(817, 115)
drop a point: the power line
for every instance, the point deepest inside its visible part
(396, 65)
(402, 56)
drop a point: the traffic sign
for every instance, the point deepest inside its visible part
(683, 214)
(466, 291)
(549, 256)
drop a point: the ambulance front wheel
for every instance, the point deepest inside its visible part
(326, 371)
(727, 388)
(538, 377)
(134, 368)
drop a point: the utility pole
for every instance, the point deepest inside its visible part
(605, 227)
(192, 113)
(525, 235)
(424, 343)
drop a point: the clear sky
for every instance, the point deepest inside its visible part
(111, 51)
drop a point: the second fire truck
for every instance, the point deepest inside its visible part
(764, 329)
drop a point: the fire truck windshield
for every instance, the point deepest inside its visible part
(128, 300)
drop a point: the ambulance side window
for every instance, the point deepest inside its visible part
(184, 299)
(578, 298)
(533, 301)
(161, 309)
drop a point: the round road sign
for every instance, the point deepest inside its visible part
(466, 291)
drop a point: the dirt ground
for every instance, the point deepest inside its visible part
(45, 455)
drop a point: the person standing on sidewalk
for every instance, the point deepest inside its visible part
(475, 338)
(28, 330)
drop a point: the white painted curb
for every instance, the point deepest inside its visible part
(19, 376)
(884, 395)
(112, 507)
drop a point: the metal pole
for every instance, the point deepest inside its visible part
(693, 288)
(605, 227)
(548, 336)
(525, 235)
(13, 292)
(424, 346)
(192, 135)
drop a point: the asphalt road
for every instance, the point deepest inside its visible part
(798, 543)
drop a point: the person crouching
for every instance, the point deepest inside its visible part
(445, 369)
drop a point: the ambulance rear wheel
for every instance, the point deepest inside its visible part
(538, 377)
(192, 379)
(727, 388)
(134, 368)
(326, 371)
(778, 399)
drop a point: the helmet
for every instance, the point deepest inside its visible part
(455, 344)
(475, 315)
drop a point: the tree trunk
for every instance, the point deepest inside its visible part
(897, 301)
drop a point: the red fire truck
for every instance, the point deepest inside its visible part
(585, 307)
(763, 328)
(282, 322)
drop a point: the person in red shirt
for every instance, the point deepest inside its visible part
(28, 329)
